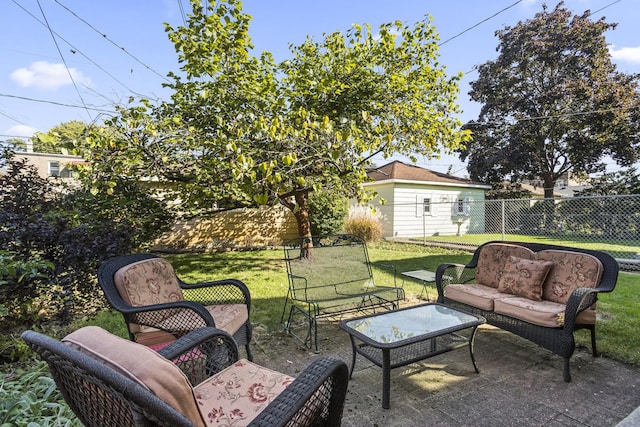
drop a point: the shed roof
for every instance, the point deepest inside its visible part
(398, 170)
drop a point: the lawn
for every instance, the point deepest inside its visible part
(264, 273)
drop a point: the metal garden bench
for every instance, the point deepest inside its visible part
(328, 276)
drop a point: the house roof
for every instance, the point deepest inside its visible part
(399, 171)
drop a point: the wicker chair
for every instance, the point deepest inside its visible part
(110, 381)
(158, 307)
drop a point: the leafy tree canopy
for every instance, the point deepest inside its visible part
(59, 138)
(242, 127)
(614, 183)
(552, 102)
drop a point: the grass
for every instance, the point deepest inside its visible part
(264, 273)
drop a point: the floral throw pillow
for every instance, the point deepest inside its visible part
(524, 277)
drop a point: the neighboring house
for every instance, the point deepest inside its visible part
(565, 186)
(51, 164)
(424, 202)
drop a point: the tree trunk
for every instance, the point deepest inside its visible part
(300, 211)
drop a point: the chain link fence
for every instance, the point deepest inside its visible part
(606, 223)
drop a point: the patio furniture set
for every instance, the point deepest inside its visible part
(181, 364)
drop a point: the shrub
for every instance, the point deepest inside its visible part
(30, 395)
(71, 231)
(327, 212)
(363, 223)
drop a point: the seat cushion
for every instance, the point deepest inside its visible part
(492, 259)
(237, 394)
(542, 313)
(140, 364)
(570, 270)
(227, 317)
(476, 295)
(524, 277)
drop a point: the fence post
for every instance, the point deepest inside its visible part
(502, 217)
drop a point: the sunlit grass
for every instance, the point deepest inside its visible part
(264, 273)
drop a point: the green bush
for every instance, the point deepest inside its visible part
(327, 212)
(71, 230)
(31, 398)
(362, 222)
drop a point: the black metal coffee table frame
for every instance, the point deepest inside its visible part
(403, 351)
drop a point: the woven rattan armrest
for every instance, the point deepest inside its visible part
(320, 389)
(214, 291)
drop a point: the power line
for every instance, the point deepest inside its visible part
(75, 49)
(114, 43)
(44, 101)
(479, 23)
(558, 116)
(63, 59)
(184, 17)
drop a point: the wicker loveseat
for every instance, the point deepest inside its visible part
(197, 380)
(540, 292)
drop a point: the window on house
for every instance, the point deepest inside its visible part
(462, 206)
(426, 206)
(54, 168)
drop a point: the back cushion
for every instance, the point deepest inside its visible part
(140, 364)
(524, 277)
(492, 259)
(570, 270)
(146, 282)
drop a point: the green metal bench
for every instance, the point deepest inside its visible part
(328, 276)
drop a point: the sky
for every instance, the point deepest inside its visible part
(64, 60)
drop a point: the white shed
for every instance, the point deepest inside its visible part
(421, 202)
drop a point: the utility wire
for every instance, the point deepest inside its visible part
(557, 116)
(2, 113)
(63, 59)
(114, 43)
(475, 68)
(184, 17)
(75, 49)
(44, 101)
(479, 23)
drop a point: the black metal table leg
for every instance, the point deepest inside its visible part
(386, 377)
(471, 339)
(353, 357)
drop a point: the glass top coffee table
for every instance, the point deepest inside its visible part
(398, 338)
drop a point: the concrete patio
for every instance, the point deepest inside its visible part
(519, 384)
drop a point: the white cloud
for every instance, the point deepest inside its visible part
(628, 54)
(22, 131)
(46, 75)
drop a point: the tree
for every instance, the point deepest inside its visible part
(553, 102)
(59, 138)
(614, 183)
(241, 127)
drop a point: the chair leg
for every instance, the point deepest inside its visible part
(594, 351)
(566, 374)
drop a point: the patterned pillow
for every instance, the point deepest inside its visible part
(524, 277)
(492, 258)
